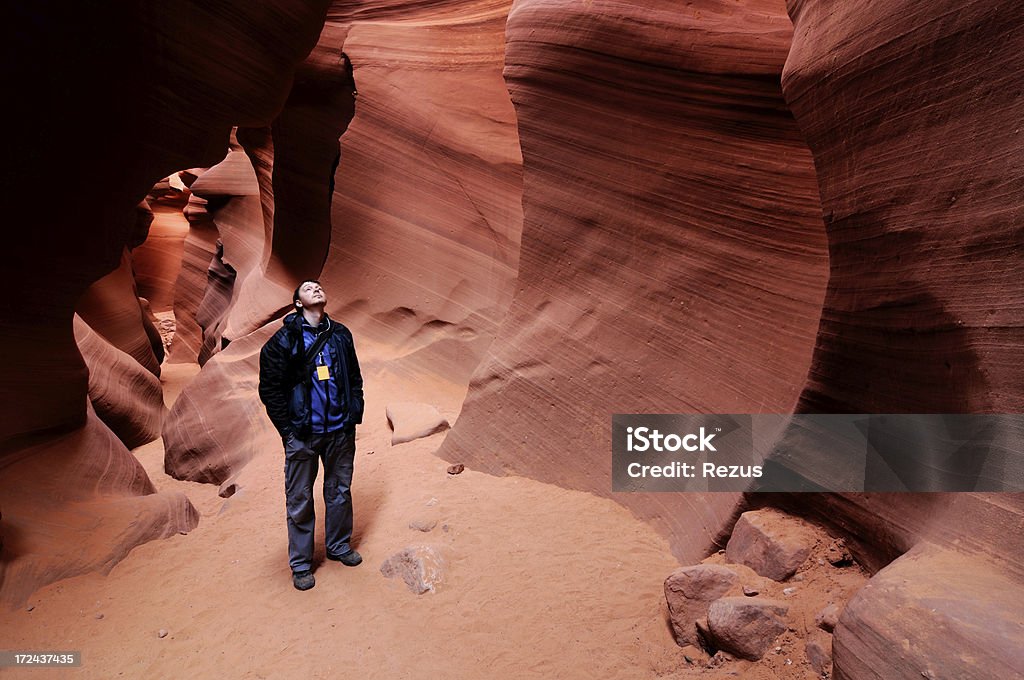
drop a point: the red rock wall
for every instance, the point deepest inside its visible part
(230, 200)
(100, 109)
(920, 171)
(194, 282)
(911, 109)
(127, 398)
(912, 112)
(269, 204)
(427, 209)
(77, 503)
(124, 116)
(673, 255)
(423, 222)
(111, 307)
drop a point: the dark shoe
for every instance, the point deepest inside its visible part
(303, 580)
(349, 559)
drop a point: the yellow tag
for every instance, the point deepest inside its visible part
(322, 373)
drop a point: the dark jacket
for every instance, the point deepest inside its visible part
(286, 379)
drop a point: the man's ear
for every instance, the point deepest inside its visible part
(298, 304)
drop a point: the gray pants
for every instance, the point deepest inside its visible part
(337, 449)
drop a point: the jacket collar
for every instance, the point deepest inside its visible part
(296, 321)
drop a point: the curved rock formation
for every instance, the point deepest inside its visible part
(921, 313)
(127, 397)
(145, 90)
(149, 115)
(427, 208)
(673, 256)
(111, 308)
(194, 280)
(227, 199)
(424, 218)
(210, 439)
(920, 185)
(911, 110)
(157, 261)
(269, 202)
(78, 503)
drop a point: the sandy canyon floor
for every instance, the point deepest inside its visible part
(537, 581)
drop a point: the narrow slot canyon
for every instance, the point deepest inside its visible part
(536, 218)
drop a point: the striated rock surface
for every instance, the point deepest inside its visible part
(229, 201)
(111, 308)
(918, 170)
(430, 177)
(673, 254)
(199, 249)
(269, 203)
(154, 111)
(146, 89)
(127, 397)
(424, 210)
(99, 504)
(933, 613)
(200, 444)
(292, 161)
(157, 262)
(911, 110)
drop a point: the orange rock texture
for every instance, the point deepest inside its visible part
(105, 107)
(673, 255)
(422, 213)
(569, 209)
(912, 112)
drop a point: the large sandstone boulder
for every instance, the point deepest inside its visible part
(689, 592)
(933, 613)
(771, 543)
(745, 626)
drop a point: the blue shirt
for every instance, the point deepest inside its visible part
(329, 412)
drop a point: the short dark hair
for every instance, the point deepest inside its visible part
(295, 297)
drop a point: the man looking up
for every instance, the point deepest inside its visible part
(313, 391)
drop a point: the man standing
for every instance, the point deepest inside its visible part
(313, 390)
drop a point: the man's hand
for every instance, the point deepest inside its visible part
(292, 444)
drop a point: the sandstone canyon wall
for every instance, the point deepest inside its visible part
(103, 107)
(912, 111)
(673, 255)
(414, 231)
(578, 209)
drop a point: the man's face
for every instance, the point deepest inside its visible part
(311, 294)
